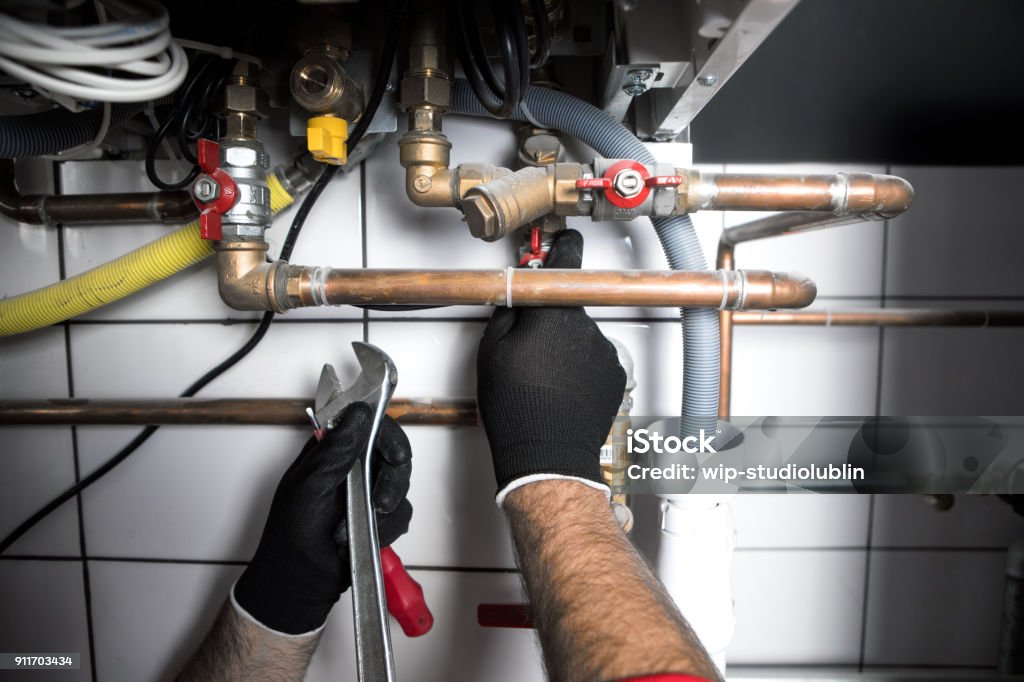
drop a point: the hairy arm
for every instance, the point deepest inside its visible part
(237, 649)
(600, 612)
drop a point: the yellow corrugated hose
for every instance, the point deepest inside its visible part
(117, 279)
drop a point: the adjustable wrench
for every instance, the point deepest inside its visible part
(374, 385)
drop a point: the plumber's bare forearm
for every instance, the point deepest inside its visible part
(599, 611)
(236, 649)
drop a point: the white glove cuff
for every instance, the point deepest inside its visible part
(245, 615)
(499, 499)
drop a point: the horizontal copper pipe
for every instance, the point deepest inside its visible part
(47, 209)
(888, 317)
(838, 193)
(787, 223)
(740, 289)
(227, 411)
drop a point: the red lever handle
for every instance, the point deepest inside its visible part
(210, 227)
(405, 596)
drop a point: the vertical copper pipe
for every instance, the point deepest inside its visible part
(725, 262)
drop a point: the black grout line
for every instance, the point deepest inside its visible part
(868, 549)
(145, 560)
(892, 549)
(883, 287)
(219, 323)
(363, 231)
(878, 548)
(86, 585)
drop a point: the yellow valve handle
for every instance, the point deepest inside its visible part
(326, 137)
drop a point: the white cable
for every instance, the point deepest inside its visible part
(220, 50)
(132, 58)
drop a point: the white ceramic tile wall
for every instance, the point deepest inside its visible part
(42, 604)
(937, 608)
(149, 617)
(200, 494)
(797, 605)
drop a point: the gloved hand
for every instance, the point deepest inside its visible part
(549, 385)
(301, 566)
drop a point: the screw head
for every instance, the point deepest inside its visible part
(205, 190)
(708, 80)
(421, 183)
(639, 75)
(637, 81)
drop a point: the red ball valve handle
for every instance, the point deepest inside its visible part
(214, 192)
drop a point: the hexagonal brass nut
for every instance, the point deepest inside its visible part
(244, 98)
(431, 90)
(426, 57)
(481, 217)
(243, 157)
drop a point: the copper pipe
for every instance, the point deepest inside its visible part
(886, 317)
(48, 209)
(228, 411)
(777, 226)
(725, 262)
(787, 223)
(741, 289)
(839, 193)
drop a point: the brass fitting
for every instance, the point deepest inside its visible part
(321, 85)
(495, 208)
(425, 82)
(242, 102)
(245, 280)
(426, 93)
(425, 156)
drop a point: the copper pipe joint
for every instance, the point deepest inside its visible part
(227, 411)
(741, 289)
(840, 193)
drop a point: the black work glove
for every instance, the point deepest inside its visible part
(549, 385)
(301, 566)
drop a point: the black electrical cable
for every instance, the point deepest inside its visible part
(500, 96)
(189, 119)
(543, 26)
(380, 85)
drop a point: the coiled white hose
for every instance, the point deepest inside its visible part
(132, 58)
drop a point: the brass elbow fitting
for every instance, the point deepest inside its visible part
(245, 280)
(425, 154)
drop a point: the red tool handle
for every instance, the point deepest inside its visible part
(405, 596)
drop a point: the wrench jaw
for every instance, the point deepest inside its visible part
(375, 366)
(377, 376)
